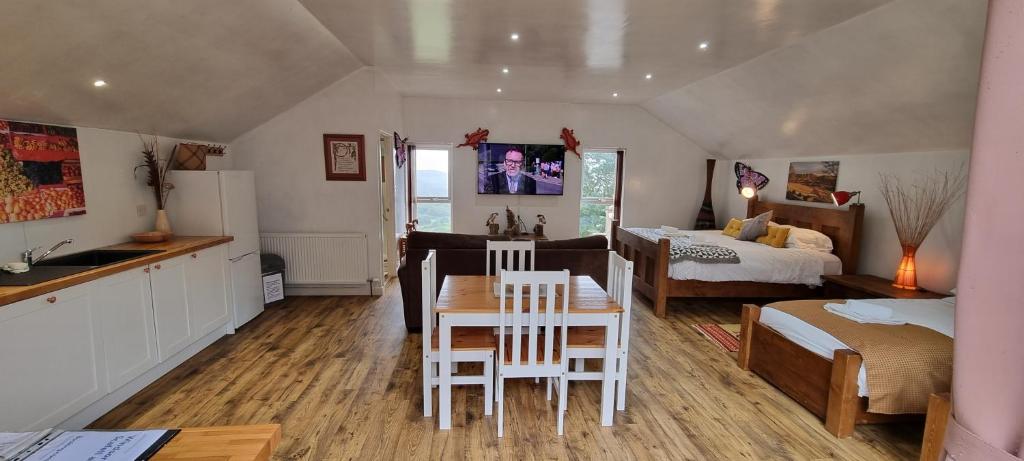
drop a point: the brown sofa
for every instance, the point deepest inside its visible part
(461, 254)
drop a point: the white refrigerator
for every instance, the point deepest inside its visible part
(223, 203)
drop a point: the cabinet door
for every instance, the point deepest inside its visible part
(170, 306)
(125, 304)
(206, 279)
(52, 360)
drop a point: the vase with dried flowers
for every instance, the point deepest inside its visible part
(915, 209)
(156, 178)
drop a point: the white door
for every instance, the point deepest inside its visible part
(52, 358)
(125, 304)
(387, 203)
(239, 213)
(207, 290)
(170, 306)
(246, 287)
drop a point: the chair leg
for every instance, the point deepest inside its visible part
(428, 370)
(563, 402)
(620, 378)
(501, 406)
(549, 389)
(579, 365)
(489, 384)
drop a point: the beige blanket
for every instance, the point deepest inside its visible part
(904, 363)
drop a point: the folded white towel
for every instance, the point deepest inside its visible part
(864, 312)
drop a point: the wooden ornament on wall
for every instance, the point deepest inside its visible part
(475, 138)
(571, 143)
(706, 215)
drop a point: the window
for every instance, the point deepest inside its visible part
(600, 191)
(432, 188)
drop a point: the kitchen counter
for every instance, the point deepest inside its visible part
(177, 246)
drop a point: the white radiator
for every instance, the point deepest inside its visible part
(319, 259)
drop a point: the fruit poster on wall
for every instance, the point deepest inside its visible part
(40, 172)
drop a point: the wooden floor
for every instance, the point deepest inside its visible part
(343, 378)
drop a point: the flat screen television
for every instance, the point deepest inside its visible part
(520, 169)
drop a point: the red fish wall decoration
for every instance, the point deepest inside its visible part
(475, 138)
(571, 143)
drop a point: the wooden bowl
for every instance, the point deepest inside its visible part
(151, 237)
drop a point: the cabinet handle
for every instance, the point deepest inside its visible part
(157, 267)
(146, 270)
(194, 256)
(51, 299)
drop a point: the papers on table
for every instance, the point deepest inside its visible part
(56, 445)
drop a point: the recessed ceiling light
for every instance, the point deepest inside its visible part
(504, 70)
(514, 36)
(649, 76)
(615, 95)
(99, 83)
(499, 90)
(704, 45)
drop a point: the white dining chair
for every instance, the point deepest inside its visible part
(508, 254)
(530, 349)
(469, 344)
(588, 342)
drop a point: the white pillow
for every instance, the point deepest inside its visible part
(807, 239)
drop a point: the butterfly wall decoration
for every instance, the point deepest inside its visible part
(747, 177)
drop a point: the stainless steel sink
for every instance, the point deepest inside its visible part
(63, 266)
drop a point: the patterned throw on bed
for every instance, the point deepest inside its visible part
(686, 249)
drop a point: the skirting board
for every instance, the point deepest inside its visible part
(123, 393)
(360, 289)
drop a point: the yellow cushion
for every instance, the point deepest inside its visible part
(776, 236)
(733, 228)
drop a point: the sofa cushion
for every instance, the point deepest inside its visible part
(584, 243)
(444, 241)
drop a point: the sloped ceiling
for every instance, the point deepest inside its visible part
(900, 78)
(195, 69)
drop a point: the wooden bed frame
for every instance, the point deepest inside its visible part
(827, 388)
(651, 259)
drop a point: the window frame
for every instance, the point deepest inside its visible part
(413, 179)
(615, 201)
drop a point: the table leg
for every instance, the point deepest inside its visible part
(444, 388)
(611, 342)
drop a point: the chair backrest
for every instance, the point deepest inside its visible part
(428, 284)
(620, 288)
(510, 254)
(533, 322)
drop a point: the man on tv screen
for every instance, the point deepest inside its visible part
(512, 180)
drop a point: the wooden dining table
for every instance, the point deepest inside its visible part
(470, 300)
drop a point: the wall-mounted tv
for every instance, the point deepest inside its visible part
(520, 169)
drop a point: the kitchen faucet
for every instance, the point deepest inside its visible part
(26, 256)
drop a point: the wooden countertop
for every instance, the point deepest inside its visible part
(171, 248)
(225, 443)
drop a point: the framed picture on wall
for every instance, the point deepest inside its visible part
(345, 157)
(812, 181)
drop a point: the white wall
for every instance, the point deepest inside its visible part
(938, 257)
(664, 171)
(286, 154)
(112, 194)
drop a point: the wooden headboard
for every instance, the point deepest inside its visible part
(844, 227)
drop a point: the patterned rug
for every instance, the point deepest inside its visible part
(725, 335)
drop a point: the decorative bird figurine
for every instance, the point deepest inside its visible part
(571, 143)
(475, 138)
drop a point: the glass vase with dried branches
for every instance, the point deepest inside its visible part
(915, 209)
(156, 178)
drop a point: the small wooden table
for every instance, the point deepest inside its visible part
(859, 286)
(222, 443)
(468, 300)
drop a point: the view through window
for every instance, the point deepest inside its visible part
(432, 188)
(597, 199)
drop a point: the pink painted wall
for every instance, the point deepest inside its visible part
(988, 383)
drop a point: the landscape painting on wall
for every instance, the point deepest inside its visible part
(40, 172)
(812, 181)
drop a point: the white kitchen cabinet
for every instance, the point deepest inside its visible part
(52, 360)
(170, 305)
(206, 279)
(125, 304)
